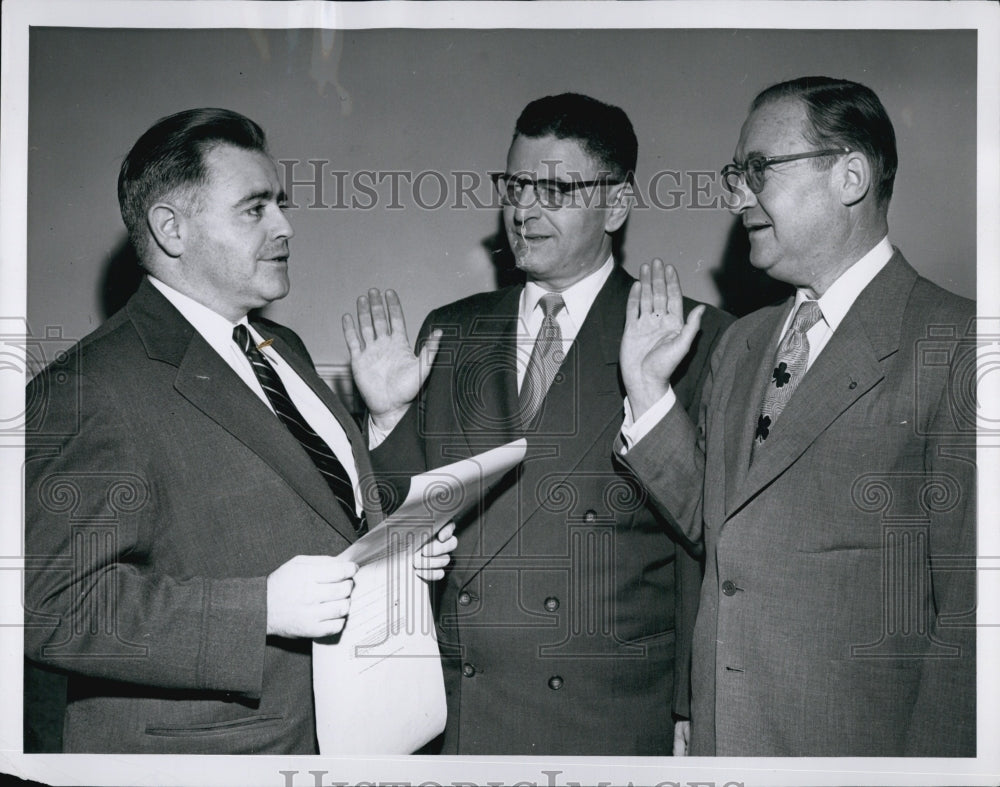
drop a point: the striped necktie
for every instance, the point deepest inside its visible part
(789, 366)
(319, 452)
(546, 358)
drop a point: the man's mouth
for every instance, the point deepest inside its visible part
(755, 226)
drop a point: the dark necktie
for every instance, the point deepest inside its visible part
(319, 452)
(789, 367)
(546, 358)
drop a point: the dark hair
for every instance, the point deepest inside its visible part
(846, 113)
(603, 131)
(170, 157)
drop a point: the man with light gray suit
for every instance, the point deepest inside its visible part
(831, 471)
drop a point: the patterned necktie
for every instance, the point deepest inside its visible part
(789, 367)
(545, 360)
(319, 452)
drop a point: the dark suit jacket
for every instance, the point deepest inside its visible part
(558, 618)
(821, 629)
(160, 492)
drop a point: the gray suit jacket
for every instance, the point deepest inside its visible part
(160, 492)
(837, 611)
(565, 619)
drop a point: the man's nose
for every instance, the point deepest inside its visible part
(526, 206)
(282, 227)
(742, 198)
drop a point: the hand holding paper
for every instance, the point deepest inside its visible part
(431, 561)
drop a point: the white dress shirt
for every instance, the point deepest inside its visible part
(218, 332)
(834, 304)
(578, 298)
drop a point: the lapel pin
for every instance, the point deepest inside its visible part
(265, 343)
(852, 385)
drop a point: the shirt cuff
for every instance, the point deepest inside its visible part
(633, 431)
(376, 436)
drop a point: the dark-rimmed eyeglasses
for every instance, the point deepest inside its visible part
(751, 171)
(551, 194)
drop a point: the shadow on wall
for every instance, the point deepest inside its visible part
(121, 278)
(743, 288)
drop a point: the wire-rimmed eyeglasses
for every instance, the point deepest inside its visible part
(551, 194)
(752, 170)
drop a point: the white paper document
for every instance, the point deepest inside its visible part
(378, 687)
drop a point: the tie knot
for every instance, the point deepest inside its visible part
(242, 337)
(551, 303)
(807, 316)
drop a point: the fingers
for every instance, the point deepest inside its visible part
(429, 352)
(660, 303)
(646, 288)
(653, 296)
(632, 306)
(354, 344)
(691, 326)
(397, 322)
(672, 285)
(380, 319)
(365, 319)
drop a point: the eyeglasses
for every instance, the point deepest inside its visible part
(551, 194)
(752, 170)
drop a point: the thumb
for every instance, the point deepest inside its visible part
(429, 352)
(691, 327)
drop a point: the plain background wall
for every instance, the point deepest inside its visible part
(446, 101)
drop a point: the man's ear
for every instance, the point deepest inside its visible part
(620, 202)
(856, 178)
(166, 225)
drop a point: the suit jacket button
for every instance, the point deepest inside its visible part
(468, 670)
(555, 683)
(551, 604)
(590, 516)
(465, 598)
(729, 587)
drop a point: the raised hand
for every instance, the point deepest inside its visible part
(656, 336)
(386, 371)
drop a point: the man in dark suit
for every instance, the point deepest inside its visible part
(190, 480)
(831, 471)
(563, 620)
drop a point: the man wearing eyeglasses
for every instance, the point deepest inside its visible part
(831, 472)
(563, 625)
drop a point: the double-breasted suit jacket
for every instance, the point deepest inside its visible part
(561, 619)
(837, 611)
(160, 492)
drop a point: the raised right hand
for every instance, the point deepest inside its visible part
(656, 336)
(309, 596)
(387, 373)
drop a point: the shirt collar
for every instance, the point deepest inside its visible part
(213, 327)
(578, 297)
(841, 295)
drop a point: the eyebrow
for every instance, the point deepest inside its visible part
(262, 194)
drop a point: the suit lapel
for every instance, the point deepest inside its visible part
(744, 403)
(575, 414)
(849, 366)
(486, 376)
(209, 384)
